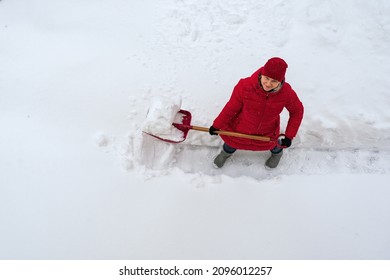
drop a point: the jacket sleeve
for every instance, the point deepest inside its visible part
(231, 110)
(295, 109)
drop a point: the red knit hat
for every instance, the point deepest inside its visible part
(275, 68)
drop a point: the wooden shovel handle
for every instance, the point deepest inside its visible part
(234, 134)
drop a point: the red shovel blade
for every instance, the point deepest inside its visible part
(184, 126)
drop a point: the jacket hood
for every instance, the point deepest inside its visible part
(255, 77)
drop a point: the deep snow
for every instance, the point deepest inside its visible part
(79, 179)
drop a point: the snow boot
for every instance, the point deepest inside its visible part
(273, 160)
(220, 159)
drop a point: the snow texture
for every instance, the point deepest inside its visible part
(162, 114)
(80, 180)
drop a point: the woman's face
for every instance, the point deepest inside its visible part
(268, 83)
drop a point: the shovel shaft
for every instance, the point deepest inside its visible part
(234, 134)
(185, 126)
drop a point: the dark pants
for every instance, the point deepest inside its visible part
(230, 150)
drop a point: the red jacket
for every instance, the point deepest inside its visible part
(251, 110)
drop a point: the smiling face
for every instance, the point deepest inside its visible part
(268, 83)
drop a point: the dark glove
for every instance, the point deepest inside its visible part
(285, 142)
(212, 130)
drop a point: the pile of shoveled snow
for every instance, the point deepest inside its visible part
(163, 111)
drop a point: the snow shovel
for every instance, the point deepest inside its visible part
(186, 126)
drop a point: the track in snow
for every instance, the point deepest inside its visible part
(157, 155)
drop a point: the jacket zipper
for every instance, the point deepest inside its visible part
(262, 113)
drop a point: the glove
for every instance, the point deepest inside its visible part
(212, 130)
(285, 142)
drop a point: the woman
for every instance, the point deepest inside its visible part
(254, 108)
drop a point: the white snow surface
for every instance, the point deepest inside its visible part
(162, 113)
(79, 179)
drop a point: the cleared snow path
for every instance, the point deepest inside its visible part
(159, 155)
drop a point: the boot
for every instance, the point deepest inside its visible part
(220, 159)
(273, 160)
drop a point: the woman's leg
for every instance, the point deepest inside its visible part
(226, 152)
(228, 149)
